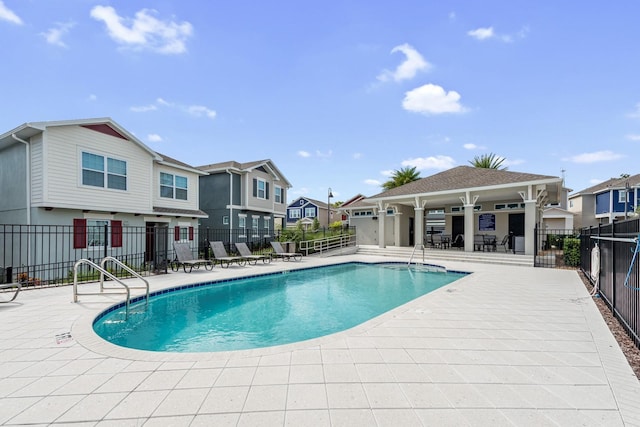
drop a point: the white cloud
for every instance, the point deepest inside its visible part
(325, 155)
(144, 31)
(154, 137)
(486, 33)
(482, 33)
(303, 153)
(635, 137)
(373, 182)
(8, 15)
(201, 111)
(54, 35)
(192, 110)
(514, 162)
(357, 156)
(432, 99)
(595, 157)
(452, 16)
(143, 108)
(474, 147)
(387, 172)
(431, 162)
(92, 97)
(413, 63)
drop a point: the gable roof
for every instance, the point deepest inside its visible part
(466, 178)
(611, 183)
(318, 203)
(246, 168)
(102, 124)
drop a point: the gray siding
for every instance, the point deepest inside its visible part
(13, 176)
(214, 198)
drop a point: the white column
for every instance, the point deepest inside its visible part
(381, 220)
(418, 237)
(469, 227)
(397, 229)
(530, 209)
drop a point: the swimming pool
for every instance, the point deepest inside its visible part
(267, 310)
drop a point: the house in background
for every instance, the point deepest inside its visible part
(614, 199)
(305, 210)
(556, 216)
(248, 200)
(92, 174)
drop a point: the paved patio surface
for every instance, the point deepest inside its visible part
(503, 346)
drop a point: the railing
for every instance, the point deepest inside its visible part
(413, 253)
(103, 272)
(326, 244)
(618, 272)
(129, 270)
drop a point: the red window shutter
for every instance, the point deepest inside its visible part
(79, 233)
(176, 233)
(116, 234)
(190, 233)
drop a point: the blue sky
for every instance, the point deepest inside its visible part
(339, 94)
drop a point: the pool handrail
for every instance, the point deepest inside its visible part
(102, 271)
(131, 271)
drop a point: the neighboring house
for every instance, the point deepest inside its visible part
(556, 216)
(247, 199)
(305, 210)
(90, 174)
(603, 203)
(344, 212)
(473, 201)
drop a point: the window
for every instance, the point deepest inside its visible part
(570, 203)
(173, 187)
(294, 213)
(267, 223)
(93, 172)
(309, 212)
(225, 220)
(622, 196)
(391, 212)
(260, 188)
(476, 208)
(242, 225)
(183, 233)
(254, 225)
(514, 205)
(96, 233)
(278, 194)
(363, 213)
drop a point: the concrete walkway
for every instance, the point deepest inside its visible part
(503, 346)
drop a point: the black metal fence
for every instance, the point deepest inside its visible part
(45, 255)
(557, 248)
(613, 268)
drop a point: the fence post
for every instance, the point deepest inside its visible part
(613, 268)
(106, 241)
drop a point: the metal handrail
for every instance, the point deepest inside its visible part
(414, 251)
(122, 265)
(102, 272)
(327, 243)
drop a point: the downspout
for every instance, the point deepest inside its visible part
(28, 192)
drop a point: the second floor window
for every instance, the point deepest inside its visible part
(173, 186)
(278, 194)
(261, 189)
(309, 212)
(294, 213)
(98, 171)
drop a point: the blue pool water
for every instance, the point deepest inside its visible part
(267, 310)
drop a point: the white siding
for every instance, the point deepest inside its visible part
(63, 185)
(37, 170)
(192, 189)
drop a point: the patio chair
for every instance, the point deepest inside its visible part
(504, 243)
(245, 252)
(279, 252)
(478, 242)
(458, 242)
(222, 257)
(18, 286)
(490, 242)
(185, 259)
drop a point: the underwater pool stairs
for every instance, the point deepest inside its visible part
(431, 255)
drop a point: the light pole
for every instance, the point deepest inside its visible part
(329, 196)
(626, 198)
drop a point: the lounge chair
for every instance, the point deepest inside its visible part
(505, 242)
(18, 286)
(222, 257)
(279, 252)
(185, 259)
(458, 242)
(245, 252)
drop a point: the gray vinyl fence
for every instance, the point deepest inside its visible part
(613, 267)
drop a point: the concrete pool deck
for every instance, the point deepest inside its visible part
(503, 346)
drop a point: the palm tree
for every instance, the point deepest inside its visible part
(402, 177)
(488, 161)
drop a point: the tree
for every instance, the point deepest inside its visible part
(488, 161)
(402, 177)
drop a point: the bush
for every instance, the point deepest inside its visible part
(571, 251)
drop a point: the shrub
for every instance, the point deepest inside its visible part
(571, 251)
